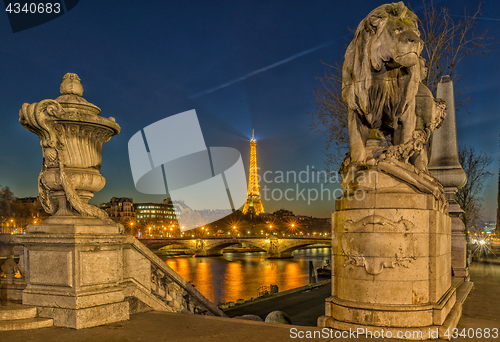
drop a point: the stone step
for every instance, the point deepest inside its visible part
(25, 324)
(16, 311)
(464, 290)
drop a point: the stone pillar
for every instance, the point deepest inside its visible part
(74, 260)
(392, 233)
(391, 260)
(445, 166)
(210, 252)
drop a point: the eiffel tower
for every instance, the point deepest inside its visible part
(253, 203)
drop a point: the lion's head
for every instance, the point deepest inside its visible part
(386, 46)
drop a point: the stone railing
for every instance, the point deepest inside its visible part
(151, 284)
(12, 281)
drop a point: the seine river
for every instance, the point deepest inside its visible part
(239, 275)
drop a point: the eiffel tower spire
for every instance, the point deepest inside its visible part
(253, 203)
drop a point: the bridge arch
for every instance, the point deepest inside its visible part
(217, 249)
(275, 246)
(157, 245)
(288, 252)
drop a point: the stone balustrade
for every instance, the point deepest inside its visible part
(148, 283)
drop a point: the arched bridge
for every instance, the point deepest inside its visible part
(276, 247)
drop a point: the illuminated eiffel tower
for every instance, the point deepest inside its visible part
(253, 203)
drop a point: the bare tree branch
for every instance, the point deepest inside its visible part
(475, 165)
(448, 42)
(330, 117)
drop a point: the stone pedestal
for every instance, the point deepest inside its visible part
(74, 277)
(391, 250)
(73, 261)
(459, 247)
(444, 164)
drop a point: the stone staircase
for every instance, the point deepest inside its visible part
(21, 317)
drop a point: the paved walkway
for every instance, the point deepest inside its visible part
(482, 307)
(481, 310)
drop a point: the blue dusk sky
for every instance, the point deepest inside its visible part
(241, 65)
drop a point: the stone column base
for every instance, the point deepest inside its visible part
(86, 317)
(416, 333)
(461, 273)
(74, 278)
(391, 252)
(421, 320)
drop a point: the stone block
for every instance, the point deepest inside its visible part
(377, 292)
(444, 307)
(100, 267)
(382, 316)
(391, 262)
(420, 292)
(51, 267)
(421, 244)
(88, 317)
(402, 200)
(47, 296)
(416, 269)
(61, 224)
(443, 265)
(418, 218)
(137, 267)
(348, 203)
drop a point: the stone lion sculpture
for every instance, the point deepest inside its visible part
(380, 79)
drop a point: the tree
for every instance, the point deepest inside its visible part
(476, 166)
(497, 230)
(24, 213)
(6, 199)
(330, 117)
(446, 44)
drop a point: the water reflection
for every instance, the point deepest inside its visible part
(204, 279)
(239, 275)
(233, 281)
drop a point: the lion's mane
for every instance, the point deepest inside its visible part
(378, 94)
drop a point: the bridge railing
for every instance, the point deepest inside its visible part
(147, 281)
(229, 237)
(146, 272)
(12, 282)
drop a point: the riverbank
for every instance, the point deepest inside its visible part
(240, 276)
(303, 305)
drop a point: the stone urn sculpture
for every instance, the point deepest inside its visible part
(71, 134)
(74, 260)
